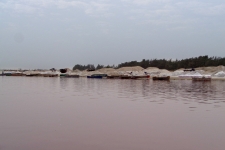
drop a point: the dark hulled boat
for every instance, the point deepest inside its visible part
(161, 78)
(71, 76)
(100, 76)
(201, 78)
(114, 77)
(141, 77)
(125, 77)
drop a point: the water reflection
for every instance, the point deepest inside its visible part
(187, 91)
(132, 90)
(145, 90)
(80, 113)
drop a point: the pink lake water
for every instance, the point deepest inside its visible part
(38, 113)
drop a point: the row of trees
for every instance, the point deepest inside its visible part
(83, 67)
(201, 61)
(91, 67)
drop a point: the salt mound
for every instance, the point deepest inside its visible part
(164, 72)
(178, 72)
(106, 70)
(220, 74)
(113, 73)
(77, 70)
(212, 69)
(152, 68)
(152, 71)
(135, 68)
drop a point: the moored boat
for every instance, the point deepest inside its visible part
(161, 78)
(125, 77)
(32, 74)
(114, 77)
(63, 74)
(7, 74)
(16, 73)
(50, 75)
(201, 78)
(71, 76)
(141, 77)
(100, 76)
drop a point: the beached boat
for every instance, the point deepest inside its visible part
(63, 74)
(125, 77)
(114, 77)
(100, 76)
(32, 74)
(201, 78)
(14, 73)
(50, 75)
(161, 78)
(17, 74)
(71, 76)
(140, 77)
(7, 74)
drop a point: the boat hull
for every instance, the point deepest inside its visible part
(17, 74)
(71, 76)
(97, 77)
(201, 79)
(32, 75)
(125, 77)
(50, 75)
(113, 77)
(140, 77)
(161, 78)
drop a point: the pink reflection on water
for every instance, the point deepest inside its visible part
(54, 113)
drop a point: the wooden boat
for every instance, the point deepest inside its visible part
(7, 74)
(100, 76)
(53, 75)
(17, 74)
(125, 77)
(50, 75)
(32, 74)
(141, 77)
(192, 69)
(113, 77)
(71, 76)
(161, 78)
(201, 78)
(63, 74)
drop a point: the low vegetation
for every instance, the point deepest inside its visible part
(201, 61)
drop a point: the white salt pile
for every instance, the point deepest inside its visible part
(220, 74)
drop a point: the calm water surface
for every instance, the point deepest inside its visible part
(39, 113)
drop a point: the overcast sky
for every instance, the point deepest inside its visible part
(61, 33)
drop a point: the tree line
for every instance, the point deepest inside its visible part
(194, 62)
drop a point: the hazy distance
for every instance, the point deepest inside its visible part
(61, 33)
